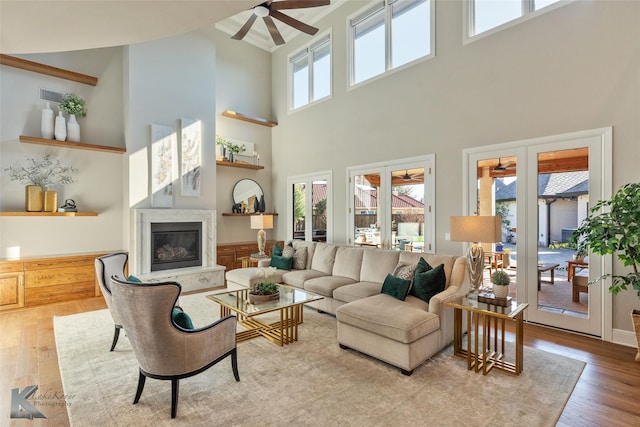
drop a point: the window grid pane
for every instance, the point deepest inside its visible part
(490, 14)
(410, 31)
(321, 72)
(369, 47)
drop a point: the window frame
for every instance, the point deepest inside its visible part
(307, 50)
(365, 12)
(528, 12)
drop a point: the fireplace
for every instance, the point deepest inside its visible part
(175, 245)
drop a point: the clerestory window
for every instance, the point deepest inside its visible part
(310, 73)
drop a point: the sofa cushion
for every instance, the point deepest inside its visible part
(281, 262)
(406, 272)
(348, 262)
(428, 283)
(323, 258)
(403, 321)
(288, 251)
(327, 284)
(376, 264)
(357, 291)
(300, 258)
(396, 287)
(311, 246)
(298, 277)
(277, 250)
(435, 259)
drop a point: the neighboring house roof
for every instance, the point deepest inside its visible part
(564, 184)
(368, 198)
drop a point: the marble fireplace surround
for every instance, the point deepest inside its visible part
(209, 275)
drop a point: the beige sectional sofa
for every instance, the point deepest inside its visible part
(402, 333)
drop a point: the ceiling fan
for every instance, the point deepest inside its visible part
(271, 9)
(407, 177)
(504, 167)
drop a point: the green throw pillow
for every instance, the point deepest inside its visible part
(181, 319)
(396, 287)
(277, 250)
(423, 266)
(133, 279)
(281, 262)
(429, 283)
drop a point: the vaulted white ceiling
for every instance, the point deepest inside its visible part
(30, 26)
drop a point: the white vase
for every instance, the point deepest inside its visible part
(500, 291)
(60, 131)
(73, 129)
(46, 122)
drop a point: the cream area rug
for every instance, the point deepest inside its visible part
(311, 382)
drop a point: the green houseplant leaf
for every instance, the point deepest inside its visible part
(613, 227)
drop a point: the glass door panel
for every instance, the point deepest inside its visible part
(563, 198)
(299, 209)
(319, 210)
(407, 209)
(367, 218)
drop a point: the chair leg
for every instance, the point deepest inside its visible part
(234, 364)
(141, 380)
(116, 334)
(175, 386)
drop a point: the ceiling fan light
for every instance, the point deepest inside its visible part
(261, 11)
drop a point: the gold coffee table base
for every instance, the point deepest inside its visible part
(284, 331)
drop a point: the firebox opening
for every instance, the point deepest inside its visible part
(176, 245)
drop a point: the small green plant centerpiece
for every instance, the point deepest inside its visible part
(613, 227)
(229, 147)
(73, 104)
(266, 290)
(500, 280)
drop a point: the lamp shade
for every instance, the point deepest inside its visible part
(261, 222)
(483, 229)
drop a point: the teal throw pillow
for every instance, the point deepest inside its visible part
(133, 279)
(423, 266)
(277, 250)
(281, 262)
(429, 283)
(181, 319)
(396, 287)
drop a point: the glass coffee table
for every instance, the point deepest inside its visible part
(289, 306)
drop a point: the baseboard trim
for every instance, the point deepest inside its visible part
(622, 337)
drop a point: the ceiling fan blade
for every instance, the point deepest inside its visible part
(273, 30)
(245, 28)
(298, 4)
(294, 22)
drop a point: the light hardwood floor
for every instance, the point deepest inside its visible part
(607, 393)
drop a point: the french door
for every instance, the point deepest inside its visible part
(544, 188)
(310, 212)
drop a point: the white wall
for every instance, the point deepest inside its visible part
(243, 84)
(571, 69)
(99, 181)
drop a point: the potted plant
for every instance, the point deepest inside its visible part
(234, 149)
(613, 227)
(41, 174)
(74, 106)
(500, 281)
(222, 142)
(265, 290)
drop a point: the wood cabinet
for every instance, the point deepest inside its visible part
(39, 281)
(229, 254)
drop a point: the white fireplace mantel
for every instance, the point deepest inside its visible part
(209, 275)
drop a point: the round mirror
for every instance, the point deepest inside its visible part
(247, 191)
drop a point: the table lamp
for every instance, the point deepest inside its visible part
(475, 229)
(261, 222)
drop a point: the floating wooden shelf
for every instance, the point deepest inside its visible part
(247, 214)
(256, 120)
(48, 213)
(36, 67)
(238, 165)
(70, 144)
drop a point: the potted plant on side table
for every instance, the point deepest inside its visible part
(500, 281)
(613, 227)
(265, 290)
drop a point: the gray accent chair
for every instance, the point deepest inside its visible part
(106, 266)
(164, 350)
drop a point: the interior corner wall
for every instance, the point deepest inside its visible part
(167, 80)
(243, 84)
(570, 69)
(99, 180)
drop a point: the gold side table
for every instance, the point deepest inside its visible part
(485, 347)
